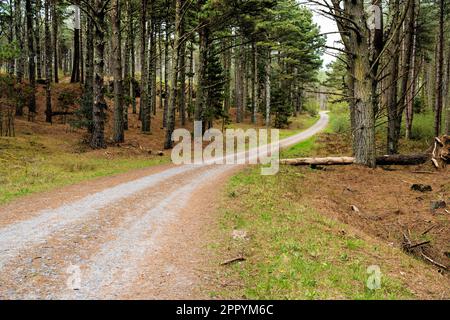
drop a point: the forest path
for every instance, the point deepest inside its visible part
(140, 235)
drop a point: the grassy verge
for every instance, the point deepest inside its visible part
(30, 164)
(293, 252)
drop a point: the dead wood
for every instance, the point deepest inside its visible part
(440, 156)
(339, 161)
(231, 261)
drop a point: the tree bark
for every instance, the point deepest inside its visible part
(239, 88)
(268, 88)
(75, 77)
(48, 64)
(393, 104)
(410, 96)
(190, 81)
(18, 26)
(98, 134)
(151, 81)
(166, 73)
(200, 100)
(37, 38)
(152, 63)
(182, 68)
(339, 161)
(31, 61)
(363, 60)
(440, 73)
(133, 60)
(55, 40)
(144, 112)
(255, 83)
(447, 120)
(88, 94)
(116, 51)
(174, 77)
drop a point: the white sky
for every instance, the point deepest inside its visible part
(328, 25)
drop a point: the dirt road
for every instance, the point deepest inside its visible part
(133, 236)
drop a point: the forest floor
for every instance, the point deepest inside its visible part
(144, 228)
(140, 234)
(313, 234)
(43, 157)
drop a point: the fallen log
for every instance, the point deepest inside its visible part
(339, 161)
(439, 156)
(319, 161)
(405, 160)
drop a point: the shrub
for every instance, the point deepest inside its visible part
(311, 107)
(340, 117)
(423, 126)
(340, 123)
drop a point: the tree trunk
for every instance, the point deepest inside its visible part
(153, 54)
(447, 120)
(98, 134)
(151, 65)
(393, 104)
(364, 132)
(174, 77)
(55, 40)
(31, 61)
(126, 64)
(268, 88)
(88, 94)
(362, 57)
(76, 48)
(160, 54)
(133, 60)
(82, 75)
(190, 81)
(182, 68)
(144, 112)
(48, 64)
(440, 73)
(227, 70)
(200, 99)
(410, 97)
(18, 25)
(37, 38)
(239, 85)
(166, 74)
(255, 84)
(116, 51)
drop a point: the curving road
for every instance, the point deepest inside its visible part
(133, 236)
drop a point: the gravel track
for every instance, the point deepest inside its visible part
(109, 235)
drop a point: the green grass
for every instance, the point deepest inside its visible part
(300, 150)
(30, 164)
(299, 124)
(295, 252)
